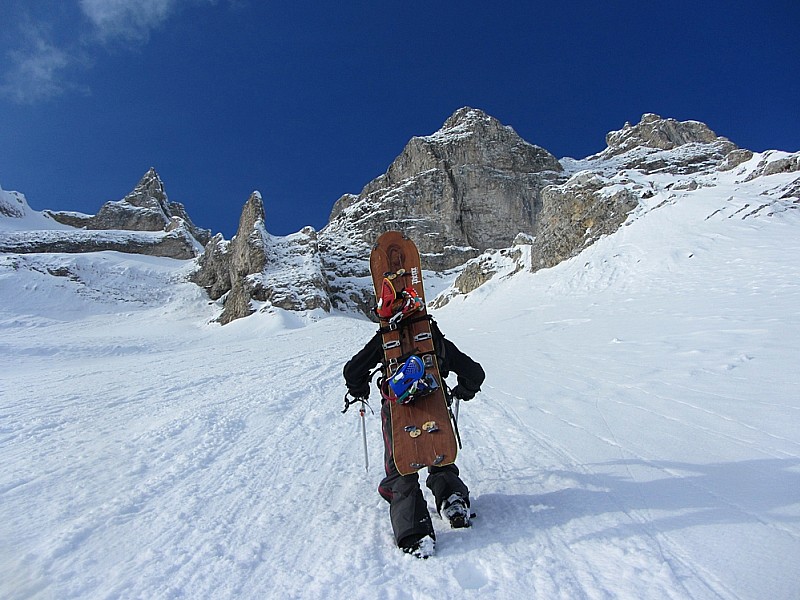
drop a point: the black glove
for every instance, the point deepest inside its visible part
(462, 393)
(360, 391)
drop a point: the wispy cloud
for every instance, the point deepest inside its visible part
(38, 68)
(41, 68)
(131, 20)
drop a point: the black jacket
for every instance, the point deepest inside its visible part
(450, 358)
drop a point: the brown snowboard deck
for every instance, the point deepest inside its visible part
(414, 447)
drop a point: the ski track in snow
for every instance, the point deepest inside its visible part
(637, 435)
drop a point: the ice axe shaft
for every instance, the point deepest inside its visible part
(364, 437)
(348, 402)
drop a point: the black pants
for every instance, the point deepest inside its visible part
(407, 507)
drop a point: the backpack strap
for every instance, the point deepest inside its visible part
(403, 323)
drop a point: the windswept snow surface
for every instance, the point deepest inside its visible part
(637, 436)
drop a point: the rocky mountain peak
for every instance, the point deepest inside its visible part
(664, 134)
(249, 242)
(149, 193)
(473, 184)
(465, 122)
(658, 144)
(470, 136)
(468, 115)
(145, 208)
(256, 269)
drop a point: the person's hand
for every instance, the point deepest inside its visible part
(359, 392)
(462, 393)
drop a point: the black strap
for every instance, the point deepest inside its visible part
(348, 402)
(404, 323)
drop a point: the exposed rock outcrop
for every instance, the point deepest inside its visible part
(255, 267)
(472, 185)
(577, 213)
(146, 208)
(654, 132)
(214, 272)
(228, 267)
(772, 166)
(656, 144)
(594, 201)
(734, 159)
(178, 244)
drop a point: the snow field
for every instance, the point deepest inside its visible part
(636, 437)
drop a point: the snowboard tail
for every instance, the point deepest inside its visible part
(422, 432)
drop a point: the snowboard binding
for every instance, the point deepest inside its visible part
(409, 382)
(394, 306)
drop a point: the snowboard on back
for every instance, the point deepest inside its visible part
(422, 433)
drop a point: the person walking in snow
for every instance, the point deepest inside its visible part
(411, 521)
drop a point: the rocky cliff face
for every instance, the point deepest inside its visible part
(472, 185)
(577, 213)
(256, 269)
(227, 268)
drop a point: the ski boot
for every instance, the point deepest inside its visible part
(456, 511)
(419, 547)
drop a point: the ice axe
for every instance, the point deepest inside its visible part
(453, 411)
(362, 411)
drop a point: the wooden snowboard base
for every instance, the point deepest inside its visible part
(422, 432)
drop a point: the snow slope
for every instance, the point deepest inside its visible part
(637, 437)
(16, 215)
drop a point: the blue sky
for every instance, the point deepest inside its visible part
(305, 101)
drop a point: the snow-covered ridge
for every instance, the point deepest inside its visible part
(765, 186)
